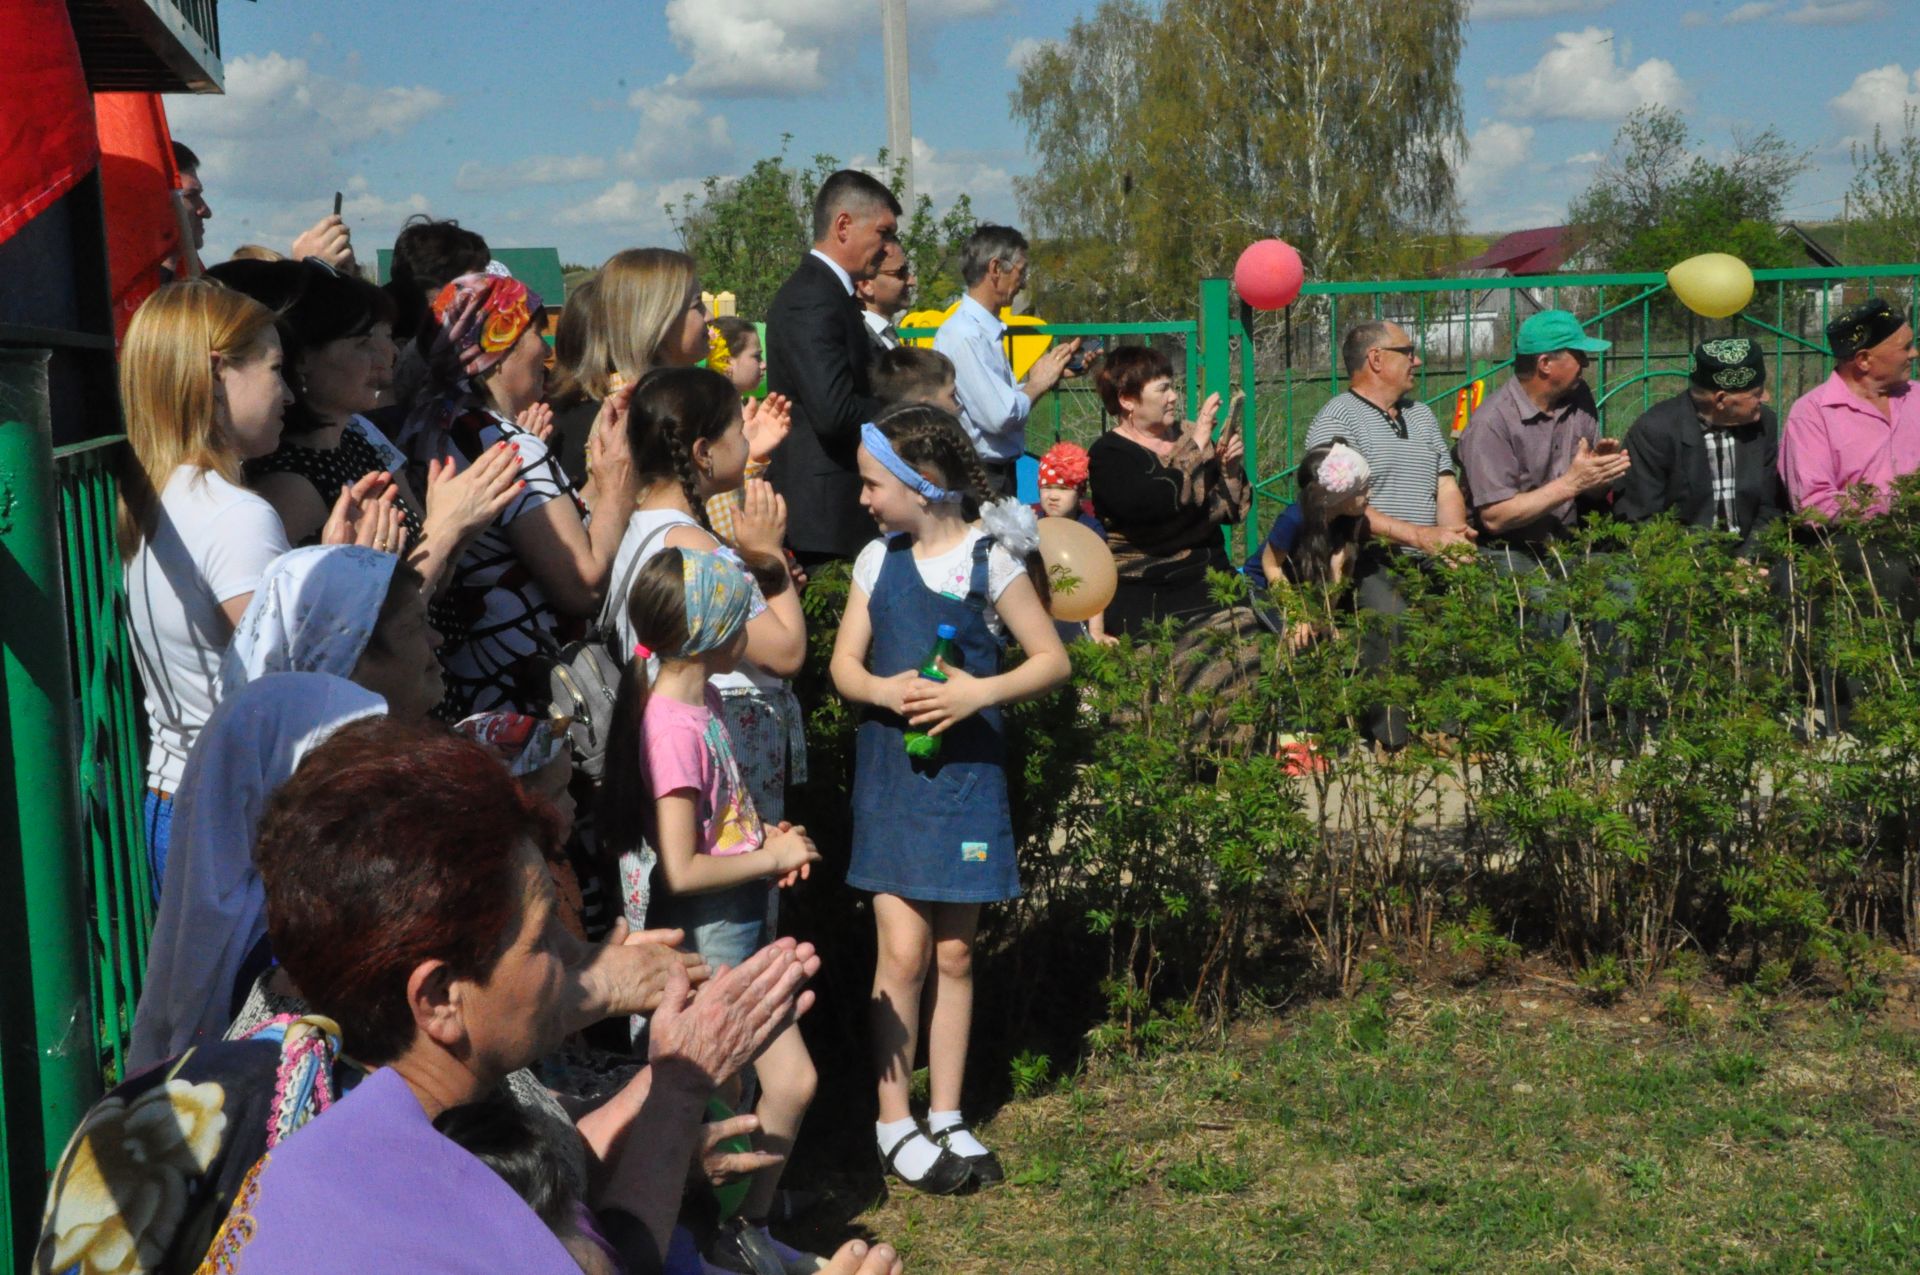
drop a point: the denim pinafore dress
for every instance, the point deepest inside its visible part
(937, 831)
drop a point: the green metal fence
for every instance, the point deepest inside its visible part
(1287, 363)
(120, 890)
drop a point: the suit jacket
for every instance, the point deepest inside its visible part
(1671, 473)
(818, 354)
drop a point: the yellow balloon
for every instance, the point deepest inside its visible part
(1079, 568)
(1714, 285)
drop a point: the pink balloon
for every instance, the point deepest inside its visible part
(1269, 274)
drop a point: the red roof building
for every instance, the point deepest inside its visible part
(1524, 252)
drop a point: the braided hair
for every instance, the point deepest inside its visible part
(931, 440)
(673, 408)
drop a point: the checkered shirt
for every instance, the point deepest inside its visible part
(1726, 511)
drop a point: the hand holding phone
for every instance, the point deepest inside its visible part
(1091, 348)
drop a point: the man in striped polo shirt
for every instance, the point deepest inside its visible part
(1416, 504)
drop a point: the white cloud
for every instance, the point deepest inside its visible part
(1495, 150)
(677, 136)
(1880, 98)
(1750, 12)
(1835, 12)
(1495, 10)
(632, 210)
(531, 171)
(283, 129)
(941, 177)
(1585, 76)
(1023, 50)
(783, 48)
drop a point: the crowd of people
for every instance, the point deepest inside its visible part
(1379, 480)
(467, 664)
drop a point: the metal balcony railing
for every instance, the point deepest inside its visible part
(149, 46)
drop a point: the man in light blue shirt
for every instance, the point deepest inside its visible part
(994, 406)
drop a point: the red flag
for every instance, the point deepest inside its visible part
(47, 141)
(137, 180)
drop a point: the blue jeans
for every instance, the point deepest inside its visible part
(724, 926)
(158, 808)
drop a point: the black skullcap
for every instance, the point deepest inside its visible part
(1731, 363)
(1862, 327)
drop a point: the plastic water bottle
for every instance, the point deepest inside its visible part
(918, 743)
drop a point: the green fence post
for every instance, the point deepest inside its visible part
(46, 1018)
(1216, 349)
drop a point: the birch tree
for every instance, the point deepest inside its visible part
(1180, 138)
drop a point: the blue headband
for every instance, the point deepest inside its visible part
(717, 598)
(881, 450)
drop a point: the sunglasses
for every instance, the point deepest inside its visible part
(1407, 350)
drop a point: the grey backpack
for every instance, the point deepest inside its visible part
(585, 677)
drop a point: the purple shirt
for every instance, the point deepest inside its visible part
(371, 1185)
(1835, 439)
(1511, 447)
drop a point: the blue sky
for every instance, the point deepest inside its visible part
(570, 123)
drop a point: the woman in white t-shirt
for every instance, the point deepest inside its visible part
(202, 392)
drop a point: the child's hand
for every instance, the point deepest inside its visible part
(766, 422)
(890, 693)
(760, 524)
(791, 850)
(934, 706)
(800, 873)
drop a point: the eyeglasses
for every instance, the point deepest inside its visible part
(903, 274)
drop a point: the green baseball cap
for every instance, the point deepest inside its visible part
(1556, 330)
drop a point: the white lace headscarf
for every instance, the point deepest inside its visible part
(314, 612)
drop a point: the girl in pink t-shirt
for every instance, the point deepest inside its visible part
(691, 850)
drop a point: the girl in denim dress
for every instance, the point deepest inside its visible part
(933, 837)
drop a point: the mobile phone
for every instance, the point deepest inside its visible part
(336, 203)
(1090, 349)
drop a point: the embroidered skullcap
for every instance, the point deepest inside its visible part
(1862, 327)
(1732, 363)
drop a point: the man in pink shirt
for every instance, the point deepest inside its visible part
(1862, 425)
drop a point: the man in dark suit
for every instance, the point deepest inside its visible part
(1710, 456)
(818, 353)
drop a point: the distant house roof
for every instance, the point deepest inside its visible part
(1816, 251)
(1524, 252)
(538, 268)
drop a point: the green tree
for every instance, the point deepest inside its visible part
(1884, 197)
(1167, 143)
(1656, 200)
(748, 233)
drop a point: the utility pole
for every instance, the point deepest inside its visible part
(893, 33)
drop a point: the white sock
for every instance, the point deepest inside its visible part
(962, 1143)
(919, 1153)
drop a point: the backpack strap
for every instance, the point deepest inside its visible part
(606, 627)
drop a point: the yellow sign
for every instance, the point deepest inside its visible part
(1022, 351)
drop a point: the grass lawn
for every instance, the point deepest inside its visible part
(1510, 1129)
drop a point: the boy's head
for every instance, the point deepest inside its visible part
(914, 374)
(1063, 475)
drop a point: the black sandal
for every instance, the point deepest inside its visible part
(947, 1175)
(986, 1168)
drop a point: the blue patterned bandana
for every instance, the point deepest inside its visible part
(881, 450)
(717, 597)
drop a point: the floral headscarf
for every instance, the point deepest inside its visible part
(717, 596)
(314, 612)
(462, 345)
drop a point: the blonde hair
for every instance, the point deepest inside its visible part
(256, 252)
(639, 295)
(579, 345)
(167, 390)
